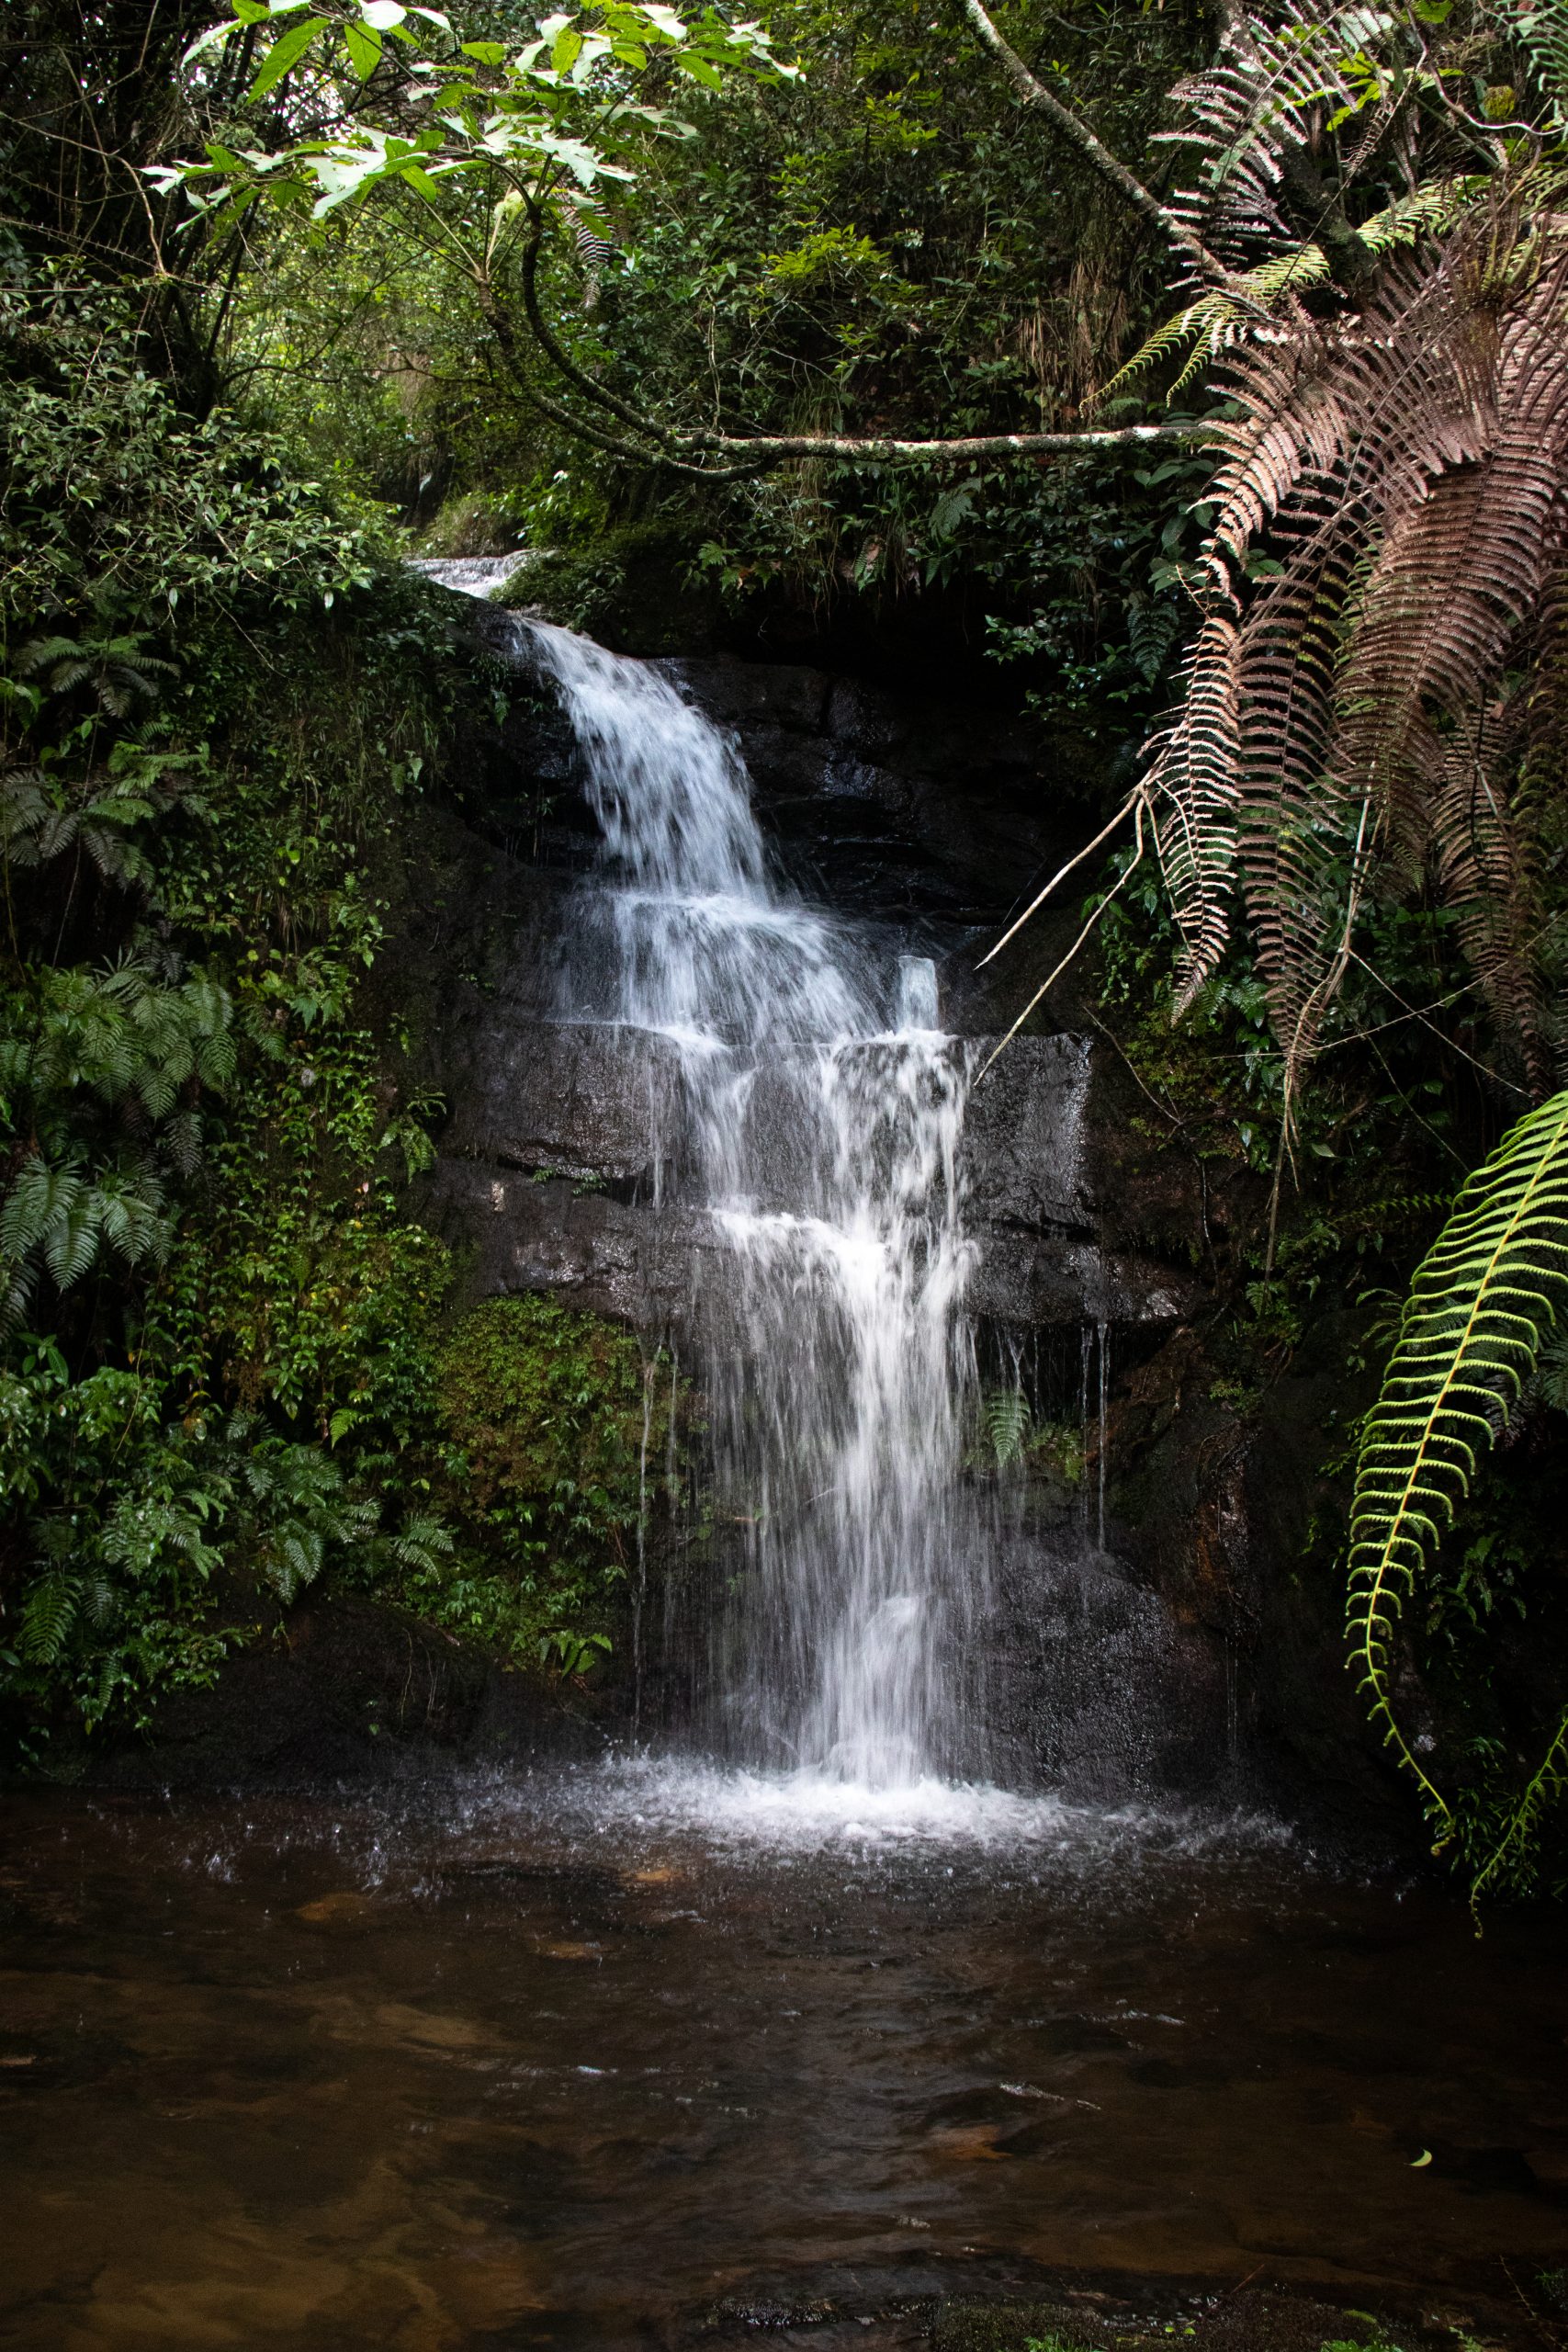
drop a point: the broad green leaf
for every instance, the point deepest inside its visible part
(566, 49)
(286, 52)
(211, 37)
(489, 52)
(363, 49)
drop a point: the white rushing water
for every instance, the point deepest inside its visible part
(807, 1104)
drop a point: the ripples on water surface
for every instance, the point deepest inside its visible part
(578, 2059)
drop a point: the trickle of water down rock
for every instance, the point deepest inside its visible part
(806, 1104)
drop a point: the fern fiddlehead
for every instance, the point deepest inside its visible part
(1481, 1306)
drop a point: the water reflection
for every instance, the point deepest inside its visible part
(572, 2060)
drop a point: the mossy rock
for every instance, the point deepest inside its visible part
(546, 1408)
(1250, 2319)
(637, 589)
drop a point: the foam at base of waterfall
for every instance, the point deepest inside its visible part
(809, 1812)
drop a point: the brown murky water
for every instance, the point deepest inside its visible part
(522, 2065)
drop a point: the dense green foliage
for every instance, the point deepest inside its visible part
(556, 1450)
(223, 1375)
(871, 246)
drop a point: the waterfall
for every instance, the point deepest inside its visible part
(807, 1107)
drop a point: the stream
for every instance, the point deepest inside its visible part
(643, 2056)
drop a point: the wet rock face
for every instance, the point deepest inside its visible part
(907, 807)
(913, 814)
(900, 805)
(550, 1172)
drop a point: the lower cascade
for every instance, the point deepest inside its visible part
(807, 1112)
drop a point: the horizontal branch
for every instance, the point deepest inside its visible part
(871, 450)
(684, 449)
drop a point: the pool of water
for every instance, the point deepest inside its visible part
(607, 2058)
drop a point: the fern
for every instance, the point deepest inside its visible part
(1008, 1420)
(1543, 29)
(1224, 316)
(1346, 717)
(1278, 83)
(1481, 1308)
(50, 1612)
(1509, 1861)
(423, 1543)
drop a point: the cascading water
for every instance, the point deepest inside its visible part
(806, 1103)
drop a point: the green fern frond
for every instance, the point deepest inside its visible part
(423, 1543)
(1543, 28)
(1006, 1418)
(1481, 1308)
(47, 1619)
(1509, 1862)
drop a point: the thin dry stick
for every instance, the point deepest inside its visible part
(1097, 917)
(1035, 904)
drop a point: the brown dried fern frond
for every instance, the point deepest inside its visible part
(1484, 868)
(1277, 78)
(1403, 472)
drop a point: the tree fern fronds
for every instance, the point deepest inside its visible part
(1218, 319)
(1276, 82)
(1402, 472)
(1481, 1308)
(1484, 860)
(1224, 316)
(1197, 776)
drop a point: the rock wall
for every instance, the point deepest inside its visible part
(1184, 1650)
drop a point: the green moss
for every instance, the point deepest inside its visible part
(545, 1408)
(1002, 2327)
(637, 587)
(553, 1455)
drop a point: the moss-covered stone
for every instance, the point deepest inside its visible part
(637, 589)
(545, 1413)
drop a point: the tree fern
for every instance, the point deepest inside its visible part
(1226, 315)
(1481, 1308)
(1276, 78)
